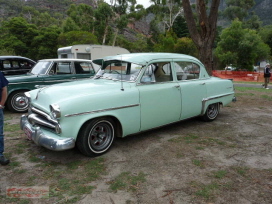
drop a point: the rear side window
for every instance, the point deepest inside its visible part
(25, 64)
(17, 64)
(187, 70)
(84, 68)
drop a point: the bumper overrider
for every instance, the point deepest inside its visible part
(45, 138)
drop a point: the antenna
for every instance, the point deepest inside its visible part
(122, 87)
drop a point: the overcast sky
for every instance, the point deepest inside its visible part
(145, 3)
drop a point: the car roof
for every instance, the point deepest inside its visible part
(12, 57)
(66, 59)
(143, 58)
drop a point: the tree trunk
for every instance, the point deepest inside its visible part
(115, 36)
(204, 31)
(105, 34)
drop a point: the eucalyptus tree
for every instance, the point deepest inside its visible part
(76, 37)
(241, 47)
(104, 16)
(238, 9)
(46, 43)
(201, 20)
(266, 35)
(83, 16)
(40, 19)
(174, 9)
(17, 34)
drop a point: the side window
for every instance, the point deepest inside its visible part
(163, 72)
(6, 64)
(187, 70)
(63, 68)
(25, 64)
(158, 72)
(149, 76)
(84, 68)
(15, 64)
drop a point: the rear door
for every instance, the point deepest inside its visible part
(192, 88)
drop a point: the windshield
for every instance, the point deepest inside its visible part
(118, 70)
(40, 68)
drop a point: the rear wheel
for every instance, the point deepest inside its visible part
(211, 112)
(96, 137)
(17, 102)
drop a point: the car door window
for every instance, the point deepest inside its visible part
(25, 64)
(7, 64)
(63, 68)
(158, 72)
(84, 68)
(15, 64)
(187, 70)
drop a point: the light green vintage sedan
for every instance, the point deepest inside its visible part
(131, 93)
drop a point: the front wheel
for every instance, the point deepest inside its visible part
(96, 137)
(211, 112)
(17, 102)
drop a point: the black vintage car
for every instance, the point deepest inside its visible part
(14, 65)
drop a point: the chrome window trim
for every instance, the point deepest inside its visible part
(99, 111)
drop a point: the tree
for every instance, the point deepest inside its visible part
(253, 22)
(186, 46)
(203, 29)
(180, 27)
(166, 42)
(76, 37)
(46, 43)
(41, 20)
(238, 9)
(241, 47)
(266, 35)
(83, 16)
(18, 35)
(104, 16)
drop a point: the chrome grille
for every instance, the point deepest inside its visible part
(40, 118)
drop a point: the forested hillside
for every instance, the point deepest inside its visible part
(263, 8)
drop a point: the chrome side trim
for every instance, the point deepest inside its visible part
(99, 111)
(204, 100)
(61, 80)
(216, 97)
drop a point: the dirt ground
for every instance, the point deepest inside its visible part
(225, 161)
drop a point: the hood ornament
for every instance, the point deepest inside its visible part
(37, 96)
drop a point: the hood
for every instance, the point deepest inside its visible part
(22, 78)
(76, 92)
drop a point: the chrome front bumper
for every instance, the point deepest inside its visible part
(41, 138)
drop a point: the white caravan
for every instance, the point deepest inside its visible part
(90, 52)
